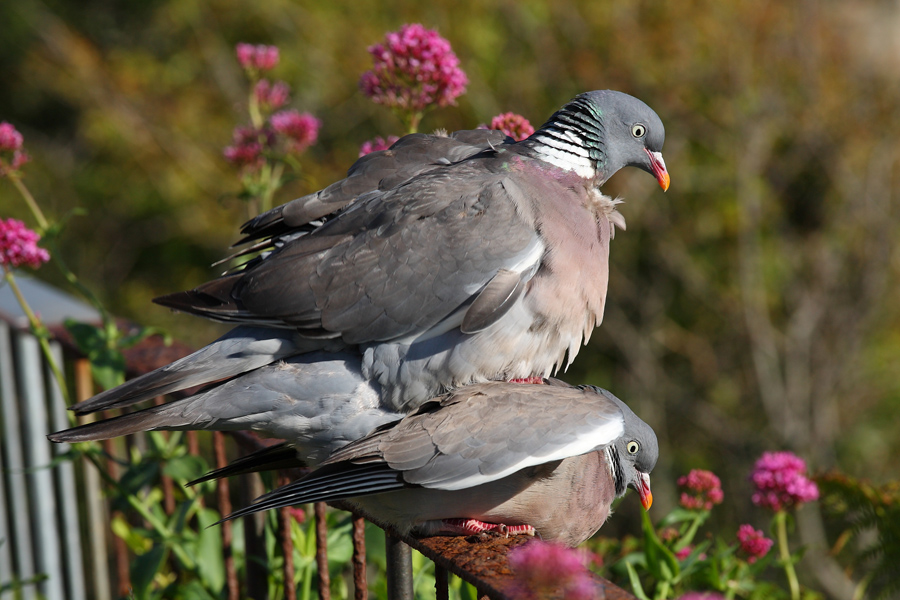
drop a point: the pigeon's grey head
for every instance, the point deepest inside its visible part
(634, 454)
(607, 130)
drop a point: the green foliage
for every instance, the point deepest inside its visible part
(867, 521)
(670, 560)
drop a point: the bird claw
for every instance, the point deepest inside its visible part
(476, 527)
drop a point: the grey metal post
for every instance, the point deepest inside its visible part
(15, 463)
(33, 402)
(68, 492)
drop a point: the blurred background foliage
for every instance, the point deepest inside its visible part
(753, 307)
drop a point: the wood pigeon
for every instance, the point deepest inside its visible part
(513, 458)
(442, 261)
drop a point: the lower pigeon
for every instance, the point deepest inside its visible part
(511, 458)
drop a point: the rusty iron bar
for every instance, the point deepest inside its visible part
(97, 507)
(287, 544)
(399, 568)
(360, 585)
(441, 583)
(322, 551)
(119, 547)
(223, 501)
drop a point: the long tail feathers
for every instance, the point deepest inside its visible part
(241, 350)
(279, 456)
(330, 482)
(166, 416)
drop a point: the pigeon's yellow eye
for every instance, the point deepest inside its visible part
(632, 447)
(638, 130)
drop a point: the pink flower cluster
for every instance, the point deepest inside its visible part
(547, 566)
(300, 129)
(259, 58)
(18, 245)
(414, 69)
(781, 482)
(378, 144)
(703, 490)
(272, 96)
(247, 147)
(12, 157)
(753, 542)
(514, 125)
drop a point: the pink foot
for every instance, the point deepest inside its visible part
(475, 527)
(538, 380)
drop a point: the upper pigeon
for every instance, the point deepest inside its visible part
(442, 261)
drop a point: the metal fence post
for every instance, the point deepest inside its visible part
(399, 569)
(43, 510)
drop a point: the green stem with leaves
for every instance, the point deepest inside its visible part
(785, 553)
(109, 325)
(43, 336)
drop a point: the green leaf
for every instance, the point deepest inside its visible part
(636, 586)
(142, 333)
(107, 363)
(138, 476)
(660, 561)
(144, 568)
(210, 563)
(134, 538)
(185, 468)
(679, 515)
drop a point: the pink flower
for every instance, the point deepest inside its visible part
(414, 69)
(302, 130)
(12, 157)
(686, 551)
(298, 514)
(18, 245)
(256, 58)
(701, 596)
(515, 126)
(272, 96)
(781, 482)
(753, 542)
(547, 566)
(247, 148)
(376, 145)
(10, 139)
(704, 490)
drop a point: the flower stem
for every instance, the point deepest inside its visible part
(55, 255)
(41, 333)
(253, 108)
(785, 554)
(272, 185)
(32, 203)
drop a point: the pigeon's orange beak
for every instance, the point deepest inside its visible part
(643, 489)
(658, 165)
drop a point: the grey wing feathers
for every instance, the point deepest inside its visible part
(393, 264)
(410, 156)
(486, 431)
